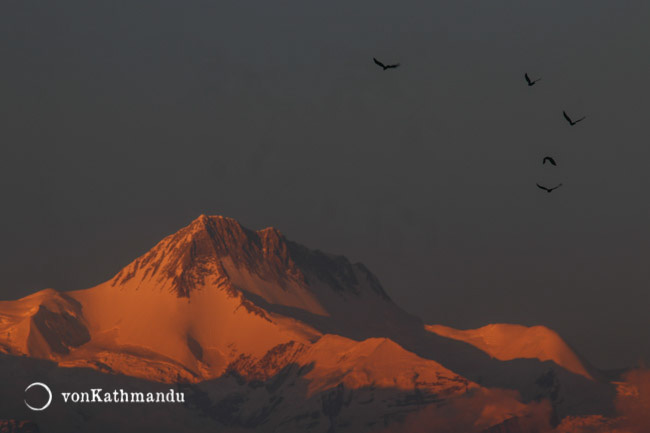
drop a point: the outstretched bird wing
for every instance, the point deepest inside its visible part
(527, 78)
(378, 62)
(542, 187)
(556, 187)
(392, 66)
(566, 116)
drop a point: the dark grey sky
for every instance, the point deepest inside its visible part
(122, 121)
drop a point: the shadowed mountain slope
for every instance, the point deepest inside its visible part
(225, 310)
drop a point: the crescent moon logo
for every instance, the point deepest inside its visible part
(49, 393)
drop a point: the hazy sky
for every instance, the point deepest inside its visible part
(122, 121)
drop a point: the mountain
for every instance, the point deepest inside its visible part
(506, 342)
(264, 333)
(196, 301)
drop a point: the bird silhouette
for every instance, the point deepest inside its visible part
(529, 81)
(572, 122)
(549, 159)
(377, 62)
(549, 190)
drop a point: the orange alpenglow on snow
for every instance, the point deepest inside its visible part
(235, 309)
(191, 305)
(507, 342)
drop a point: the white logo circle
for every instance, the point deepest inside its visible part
(46, 388)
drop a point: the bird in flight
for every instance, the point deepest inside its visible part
(548, 189)
(549, 159)
(572, 122)
(529, 81)
(377, 62)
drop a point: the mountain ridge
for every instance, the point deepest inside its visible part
(216, 300)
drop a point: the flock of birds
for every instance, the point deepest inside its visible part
(568, 119)
(530, 83)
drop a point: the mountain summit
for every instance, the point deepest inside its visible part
(262, 262)
(230, 309)
(197, 300)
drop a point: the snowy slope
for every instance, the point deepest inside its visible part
(506, 342)
(197, 300)
(232, 313)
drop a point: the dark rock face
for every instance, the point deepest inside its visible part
(59, 330)
(332, 403)
(189, 257)
(254, 370)
(14, 426)
(335, 271)
(510, 425)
